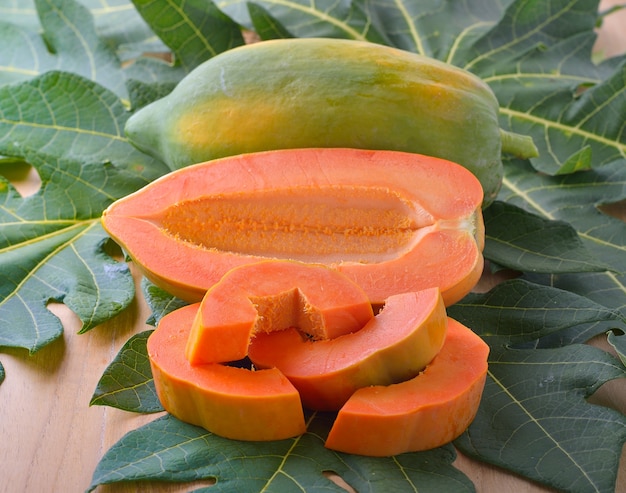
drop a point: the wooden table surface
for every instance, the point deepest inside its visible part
(51, 440)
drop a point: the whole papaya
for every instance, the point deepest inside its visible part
(317, 92)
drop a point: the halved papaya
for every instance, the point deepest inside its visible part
(393, 222)
(425, 412)
(269, 296)
(392, 347)
(232, 402)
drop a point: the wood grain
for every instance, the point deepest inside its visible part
(51, 439)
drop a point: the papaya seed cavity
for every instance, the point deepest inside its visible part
(329, 224)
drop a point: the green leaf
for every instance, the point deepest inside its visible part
(160, 302)
(534, 419)
(170, 450)
(576, 199)
(142, 93)
(265, 25)
(436, 28)
(82, 37)
(64, 116)
(618, 342)
(518, 311)
(526, 242)
(538, 62)
(2, 374)
(19, 12)
(119, 24)
(527, 26)
(52, 247)
(588, 122)
(68, 42)
(304, 18)
(68, 266)
(127, 382)
(579, 161)
(195, 30)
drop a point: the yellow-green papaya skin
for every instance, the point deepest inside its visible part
(317, 92)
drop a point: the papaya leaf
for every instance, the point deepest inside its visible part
(117, 21)
(69, 266)
(585, 127)
(119, 37)
(535, 244)
(20, 63)
(534, 418)
(527, 26)
(68, 42)
(52, 246)
(160, 302)
(67, 117)
(142, 93)
(19, 12)
(265, 25)
(195, 30)
(576, 199)
(519, 311)
(436, 28)
(351, 19)
(170, 450)
(538, 61)
(127, 382)
(618, 342)
(119, 24)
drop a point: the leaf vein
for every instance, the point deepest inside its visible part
(520, 115)
(531, 418)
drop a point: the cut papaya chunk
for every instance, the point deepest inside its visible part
(393, 222)
(274, 295)
(392, 347)
(425, 412)
(232, 402)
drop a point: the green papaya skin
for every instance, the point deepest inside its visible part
(318, 92)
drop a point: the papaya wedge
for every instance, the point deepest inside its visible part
(269, 296)
(425, 412)
(393, 222)
(392, 347)
(318, 92)
(232, 402)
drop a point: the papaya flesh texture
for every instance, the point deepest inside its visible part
(425, 412)
(269, 296)
(392, 347)
(328, 93)
(232, 402)
(391, 221)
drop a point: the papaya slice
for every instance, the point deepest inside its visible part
(392, 347)
(269, 296)
(393, 222)
(425, 412)
(232, 402)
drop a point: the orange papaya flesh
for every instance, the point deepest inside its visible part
(392, 347)
(232, 402)
(273, 295)
(391, 221)
(425, 412)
